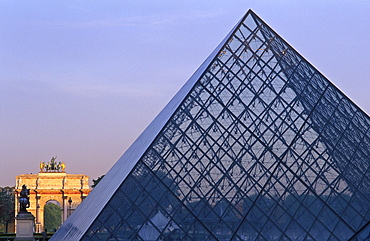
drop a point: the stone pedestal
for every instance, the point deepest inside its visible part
(25, 222)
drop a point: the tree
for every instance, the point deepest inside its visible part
(95, 182)
(6, 207)
(52, 216)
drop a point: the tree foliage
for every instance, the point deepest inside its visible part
(52, 216)
(148, 189)
(6, 207)
(95, 182)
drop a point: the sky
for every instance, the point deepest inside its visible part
(81, 80)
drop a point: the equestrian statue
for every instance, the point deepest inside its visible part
(24, 200)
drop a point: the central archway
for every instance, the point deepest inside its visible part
(52, 215)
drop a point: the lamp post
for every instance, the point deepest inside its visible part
(69, 206)
(38, 218)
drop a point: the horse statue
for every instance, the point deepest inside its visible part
(24, 200)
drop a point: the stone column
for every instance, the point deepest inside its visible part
(16, 208)
(64, 208)
(38, 222)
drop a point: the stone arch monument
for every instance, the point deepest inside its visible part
(52, 183)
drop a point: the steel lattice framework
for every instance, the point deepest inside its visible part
(258, 145)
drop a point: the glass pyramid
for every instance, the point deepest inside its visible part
(257, 145)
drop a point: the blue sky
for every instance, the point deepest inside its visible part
(82, 79)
